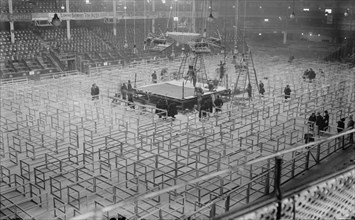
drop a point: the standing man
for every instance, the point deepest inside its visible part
(261, 88)
(95, 91)
(130, 92)
(319, 123)
(154, 77)
(124, 91)
(311, 121)
(218, 103)
(287, 92)
(341, 125)
(221, 70)
(249, 90)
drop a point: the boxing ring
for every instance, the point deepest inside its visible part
(179, 91)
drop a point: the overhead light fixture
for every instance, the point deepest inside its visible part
(56, 21)
(62, 7)
(292, 15)
(125, 44)
(210, 17)
(346, 13)
(328, 10)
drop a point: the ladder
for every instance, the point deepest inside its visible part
(182, 66)
(246, 75)
(200, 67)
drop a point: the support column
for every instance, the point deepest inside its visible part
(194, 14)
(153, 19)
(68, 21)
(277, 186)
(114, 17)
(12, 28)
(285, 37)
(236, 22)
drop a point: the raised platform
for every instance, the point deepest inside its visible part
(178, 91)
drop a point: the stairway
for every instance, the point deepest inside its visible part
(55, 60)
(182, 66)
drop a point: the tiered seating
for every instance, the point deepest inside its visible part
(33, 64)
(20, 56)
(118, 41)
(46, 62)
(4, 7)
(82, 40)
(94, 6)
(26, 45)
(6, 68)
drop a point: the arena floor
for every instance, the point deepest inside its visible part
(64, 154)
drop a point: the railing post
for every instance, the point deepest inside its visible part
(267, 178)
(227, 203)
(213, 210)
(277, 186)
(307, 160)
(318, 154)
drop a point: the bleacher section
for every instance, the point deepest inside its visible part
(81, 40)
(46, 48)
(45, 6)
(22, 56)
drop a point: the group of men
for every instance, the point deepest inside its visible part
(170, 107)
(322, 122)
(309, 74)
(126, 91)
(207, 104)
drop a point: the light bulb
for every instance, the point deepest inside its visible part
(292, 15)
(210, 18)
(346, 13)
(62, 7)
(125, 44)
(56, 21)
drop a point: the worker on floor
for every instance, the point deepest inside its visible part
(95, 91)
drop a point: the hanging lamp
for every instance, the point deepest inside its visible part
(293, 15)
(55, 20)
(135, 51)
(125, 45)
(210, 17)
(347, 12)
